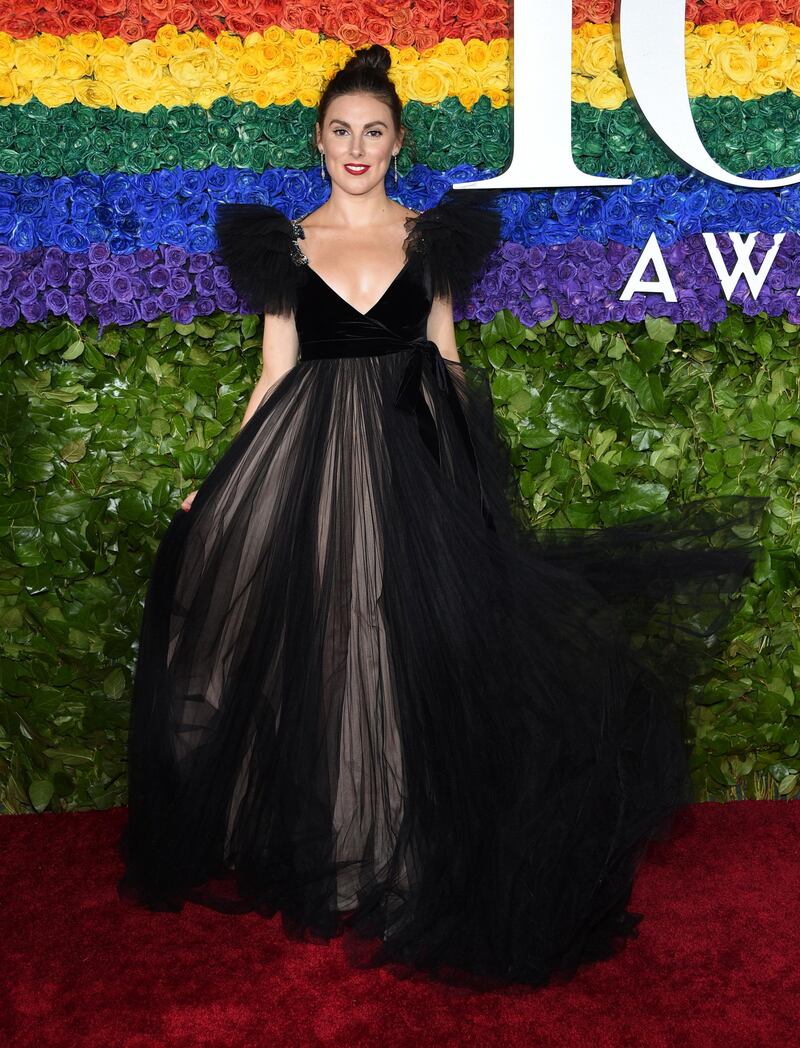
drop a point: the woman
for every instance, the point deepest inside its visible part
(368, 696)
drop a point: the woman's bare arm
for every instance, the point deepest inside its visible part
(441, 328)
(279, 352)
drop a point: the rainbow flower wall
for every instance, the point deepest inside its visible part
(127, 362)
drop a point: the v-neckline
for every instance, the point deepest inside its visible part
(296, 223)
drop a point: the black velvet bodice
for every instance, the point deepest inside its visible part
(329, 326)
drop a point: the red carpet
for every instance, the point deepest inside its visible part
(716, 964)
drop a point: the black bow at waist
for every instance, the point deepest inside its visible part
(410, 397)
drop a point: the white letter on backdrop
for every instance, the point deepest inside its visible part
(743, 267)
(541, 97)
(649, 36)
(662, 285)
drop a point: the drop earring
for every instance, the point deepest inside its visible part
(395, 168)
(321, 166)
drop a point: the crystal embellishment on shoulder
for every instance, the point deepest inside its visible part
(297, 256)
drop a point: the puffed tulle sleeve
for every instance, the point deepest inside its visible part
(455, 238)
(255, 243)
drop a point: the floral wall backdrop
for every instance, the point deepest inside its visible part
(127, 360)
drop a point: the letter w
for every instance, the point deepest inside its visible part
(743, 267)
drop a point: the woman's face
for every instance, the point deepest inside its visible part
(359, 134)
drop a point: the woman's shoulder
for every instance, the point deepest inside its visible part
(256, 243)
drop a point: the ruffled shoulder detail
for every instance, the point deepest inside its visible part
(256, 244)
(454, 239)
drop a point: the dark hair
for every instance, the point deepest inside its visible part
(367, 70)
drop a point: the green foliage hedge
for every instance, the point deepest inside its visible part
(103, 436)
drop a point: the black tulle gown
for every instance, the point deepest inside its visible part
(370, 698)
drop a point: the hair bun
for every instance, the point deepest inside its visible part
(376, 57)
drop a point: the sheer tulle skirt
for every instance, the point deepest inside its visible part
(358, 705)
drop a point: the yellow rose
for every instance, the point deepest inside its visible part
(477, 54)
(767, 83)
(744, 92)
(114, 45)
(32, 64)
(109, 68)
(184, 44)
(578, 47)
(705, 32)
(498, 49)
(430, 82)
(606, 91)
(208, 94)
(735, 61)
(406, 57)
(7, 90)
(496, 97)
(90, 43)
(304, 38)
(579, 87)
(272, 57)
(792, 80)
(55, 92)
(94, 95)
(247, 71)
(277, 35)
(468, 80)
(593, 30)
(468, 97)
(254, 39)
(599, 56)
(166, 35)
(72, 65)
(771, 40)
(696, 53)
(717, 85)
(139, 65)
(781, 64)
(229, 45)
(160, 54)
(310, 60)
(449, 50)
(727, 27)
(49, 44)
(169, 94)
(134, 98)
(7, 48)
(695, 83)
(191, 70)
(308, 96)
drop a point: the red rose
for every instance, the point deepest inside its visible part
(20, 26)
(378, 31)
(80, 21)
(239, 25)
(426, 38)
(431, 11)
(770, 11)
(496, 13)
(599, 10)
(747, 11)
(183, 17)
(210, 26)
(131, 29)
(111, 7)
(352, 35)
(50, 22)
(406, 36)
(709, 13)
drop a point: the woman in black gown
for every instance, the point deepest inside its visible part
(367, 696)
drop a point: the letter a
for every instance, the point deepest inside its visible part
(662, 285)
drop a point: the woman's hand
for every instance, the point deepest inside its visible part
(187, 502)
